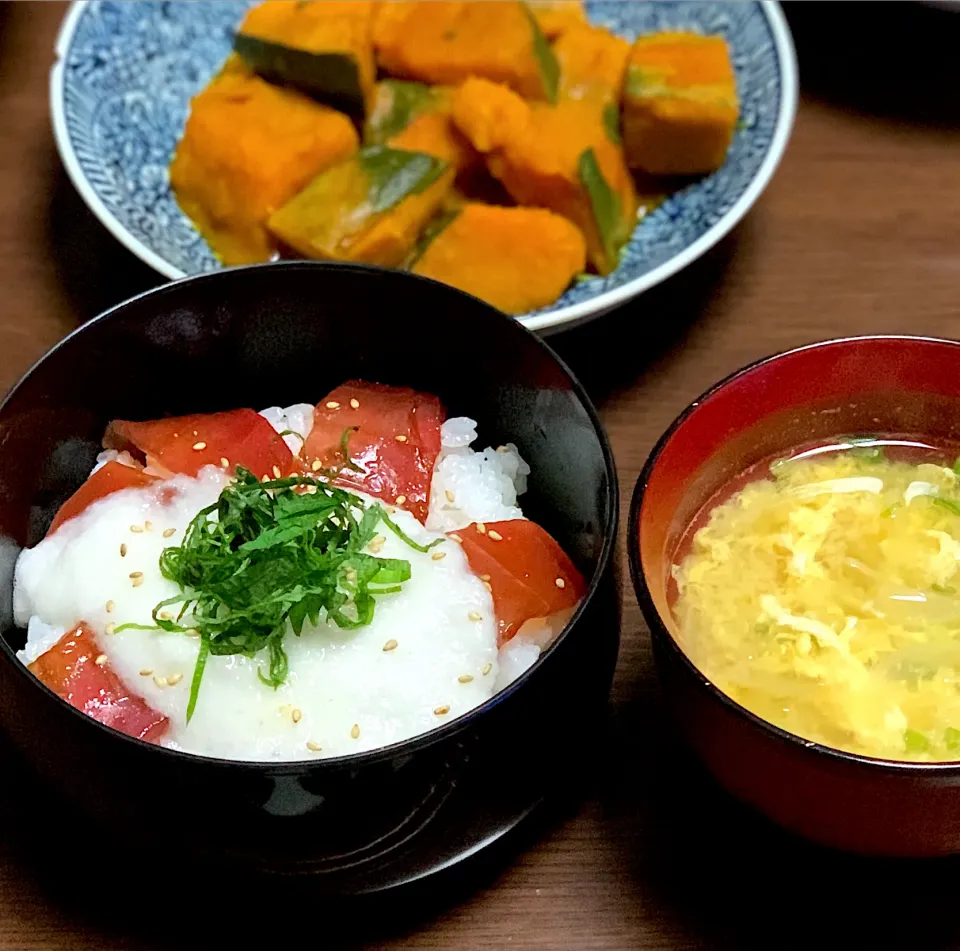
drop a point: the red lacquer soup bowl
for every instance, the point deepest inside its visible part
(885, 385)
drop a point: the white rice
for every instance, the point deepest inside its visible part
(470, 486)
(111, 455)
(40, 638)
(239, 718)
(296, 421)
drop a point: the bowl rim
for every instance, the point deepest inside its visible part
(439, 733)
(562, 318)
(661, 633)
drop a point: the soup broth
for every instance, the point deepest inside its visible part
(821, 591)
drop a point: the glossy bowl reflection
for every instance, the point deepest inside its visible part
(862, 384)
(277, 334)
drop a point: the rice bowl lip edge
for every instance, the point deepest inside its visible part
(659, 628)
(564, 318)
(420, 740)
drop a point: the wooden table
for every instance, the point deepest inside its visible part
(858, 233)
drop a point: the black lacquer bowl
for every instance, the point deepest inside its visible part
(277, 334)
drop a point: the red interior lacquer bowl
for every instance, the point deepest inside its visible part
(887, 385)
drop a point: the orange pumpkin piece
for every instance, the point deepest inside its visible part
(592, 63)
(539, 153)
(680, 104)
(517, 259)
(416, 117)
(443, 42)
(249, 147)
(489, 114)
(435, 134)
(339, 32)
(370, 209)
(555, 17)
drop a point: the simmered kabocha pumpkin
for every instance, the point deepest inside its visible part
(517, 259)
(371, 208)
(592, 63)
(680, 104)
(480, 106)
(323, 49)
(563, 157)
(443, 43)
(416, 117)
(555, 17)
(248, 148)
(396, 103)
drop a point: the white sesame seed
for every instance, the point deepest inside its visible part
(400, 438)
(167, 532)
(101, 660)
(391, 645)
(313, 747)
(484, 577)
(110, 628)
(486, 669)
(316, 465)
(174, 679)
(276, 472)
(199, 445)
(333, 404)
(225, 462)
(441, 711)
(376, 543)
(165, 615)
(439, 555)
(146, 672)
(475, 616)
(481, 528)
(148, 526)
(355, 731)
(560, 583)
(136, 574)
(110, 606)
(136, 528)
(123, 549)
(296, 715)
(136, 582)
(465, 678)
(401, 499)
(160, 681)
(455, 537)
(450, 496)
(495, 535)
(488, 586)
(355, 403)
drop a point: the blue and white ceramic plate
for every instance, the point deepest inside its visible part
(125, 72)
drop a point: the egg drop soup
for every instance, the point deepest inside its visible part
(822, 593)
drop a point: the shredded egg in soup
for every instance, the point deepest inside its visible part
(826, 600)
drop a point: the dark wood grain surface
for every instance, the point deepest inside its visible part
(858, 233)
